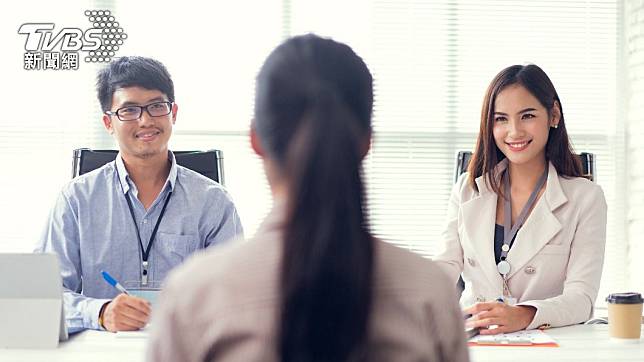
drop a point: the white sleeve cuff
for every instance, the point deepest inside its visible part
(92, 310)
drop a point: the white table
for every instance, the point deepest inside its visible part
(577, 343)
(86, 346)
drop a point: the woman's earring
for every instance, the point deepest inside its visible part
(555, 125)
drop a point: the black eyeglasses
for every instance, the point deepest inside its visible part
(133, 113)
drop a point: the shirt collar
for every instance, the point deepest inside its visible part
(124, 177)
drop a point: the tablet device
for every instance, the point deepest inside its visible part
(31, 302)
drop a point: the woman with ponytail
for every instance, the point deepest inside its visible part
(313, 284)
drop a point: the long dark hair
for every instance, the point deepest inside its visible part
(558, 148)
(313, 107)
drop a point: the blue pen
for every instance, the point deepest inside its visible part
(108, 278)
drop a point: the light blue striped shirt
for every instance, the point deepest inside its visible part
(91, 230)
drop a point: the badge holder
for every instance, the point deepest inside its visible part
(148, 291)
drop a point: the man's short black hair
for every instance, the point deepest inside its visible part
(132, 72)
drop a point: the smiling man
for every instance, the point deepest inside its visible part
(139, 216)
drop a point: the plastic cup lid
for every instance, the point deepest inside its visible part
(625, 298)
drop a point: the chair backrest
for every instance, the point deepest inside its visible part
(208, 163)
(587, 164)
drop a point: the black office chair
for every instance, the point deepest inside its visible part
(208, 163)
(587, 164)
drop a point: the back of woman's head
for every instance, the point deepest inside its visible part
(558, 149)
(313, 119)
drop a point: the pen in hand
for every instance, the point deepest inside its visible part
(111, 281)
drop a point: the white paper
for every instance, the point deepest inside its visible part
(534, 336)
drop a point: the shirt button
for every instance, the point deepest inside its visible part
(471, 261)
(480, 299)
(145, 221)
(530, 270)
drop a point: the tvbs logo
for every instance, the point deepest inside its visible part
(40, 36)
(49, 48)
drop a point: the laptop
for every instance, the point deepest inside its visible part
(31, 301)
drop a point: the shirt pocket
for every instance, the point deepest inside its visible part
(172, 250)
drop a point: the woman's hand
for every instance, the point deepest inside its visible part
(507, 318)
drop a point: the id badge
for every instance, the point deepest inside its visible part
(149, 291)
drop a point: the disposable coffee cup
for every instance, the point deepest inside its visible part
(625, 316)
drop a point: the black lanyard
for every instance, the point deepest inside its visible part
(145, 253)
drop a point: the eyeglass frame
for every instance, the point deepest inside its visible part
(141, 108)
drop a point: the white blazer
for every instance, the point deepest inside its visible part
(556, 258)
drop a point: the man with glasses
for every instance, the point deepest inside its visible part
(139, 216)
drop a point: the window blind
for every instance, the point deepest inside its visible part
(44, 116)
(431, 61)
(633, 58)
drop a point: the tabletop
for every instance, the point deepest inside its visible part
(576, 343)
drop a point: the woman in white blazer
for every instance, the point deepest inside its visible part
(546, 264)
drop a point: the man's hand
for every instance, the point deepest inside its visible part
(126, 313)
(507, 318)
